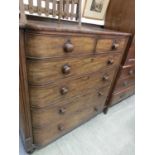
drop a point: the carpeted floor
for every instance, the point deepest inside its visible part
(111, 134)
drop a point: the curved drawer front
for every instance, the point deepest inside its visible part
(62, 125)
(41, 118)
(58, 46)
(43, 96)
(45, 136)
(43, 72)
(104, 45)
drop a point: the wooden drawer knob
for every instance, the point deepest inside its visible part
(105, 78)
(96, 109)
(66, 69)
(131, 72)
(61, 127)
(62, 111)
(64, 90)
(110, 61)
(114, 46)
(100, 94)
(68, 47)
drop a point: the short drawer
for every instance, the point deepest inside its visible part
(41, 46)
(52, 114)
(104, 45)
(57, 128)
(47, 71)
(127, 71)
(121, 95)
(62, 90)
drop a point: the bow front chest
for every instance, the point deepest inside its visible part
(66, 73)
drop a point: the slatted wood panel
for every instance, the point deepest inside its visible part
(66, 9)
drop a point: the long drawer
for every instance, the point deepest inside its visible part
(59, 127)
(47, 71)
(64, 89)
(46, 46)
(50, 115)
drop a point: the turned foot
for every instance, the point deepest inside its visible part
(31, 151)
(105, 110)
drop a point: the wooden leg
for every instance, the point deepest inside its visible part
(31, 151)
(105, 110)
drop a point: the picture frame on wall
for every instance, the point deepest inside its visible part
(95, 9)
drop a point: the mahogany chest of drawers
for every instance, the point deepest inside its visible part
(66, 73)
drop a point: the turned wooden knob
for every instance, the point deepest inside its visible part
(64, 90)
(105, 78)
(96, 109)
(131, 72)
(66, 69)
(61, 127)
(62, 110)
(115, 46)
(110, 62)
(68, 47)
(100, 93)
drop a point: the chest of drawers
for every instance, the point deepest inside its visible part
(66, 73)
(125, 81)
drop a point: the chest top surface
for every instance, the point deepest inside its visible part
(47, 25)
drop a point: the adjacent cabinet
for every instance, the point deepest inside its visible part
(66, 74)
(120, 16)
(125, 80)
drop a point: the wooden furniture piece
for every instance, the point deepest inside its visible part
(61, 9)
(66, 73)
(121, 17)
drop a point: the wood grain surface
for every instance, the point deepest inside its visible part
(41, 118)
(47, 71)
(51, 94)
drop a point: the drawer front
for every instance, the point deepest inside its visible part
(51, 115)
(58, 46)
(127, 71)
(44, 72)
(104, 45)
(124, 83)
(123, 94)
(44, 96)
(50, 133)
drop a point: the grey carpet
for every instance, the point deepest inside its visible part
(111, 134)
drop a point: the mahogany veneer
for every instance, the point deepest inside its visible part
(66, 73)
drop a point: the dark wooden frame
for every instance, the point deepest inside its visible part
(24, 107)
(87, 16)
